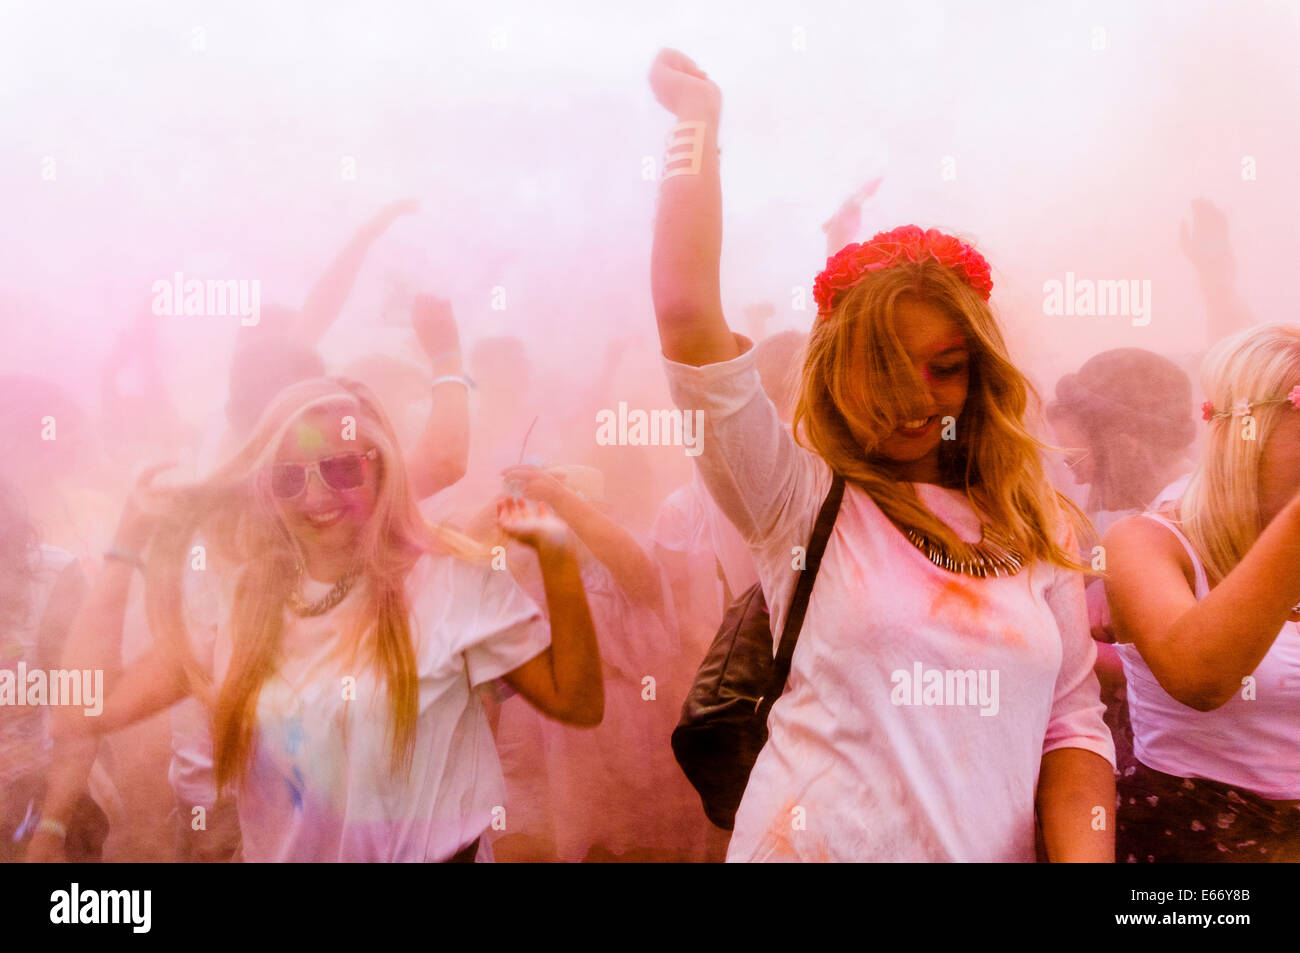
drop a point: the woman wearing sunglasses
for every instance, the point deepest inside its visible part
(341, 668)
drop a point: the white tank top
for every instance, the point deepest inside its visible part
(1252, 743)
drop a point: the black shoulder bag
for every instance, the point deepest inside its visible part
(724, 718)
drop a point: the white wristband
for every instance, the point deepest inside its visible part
(452, 379)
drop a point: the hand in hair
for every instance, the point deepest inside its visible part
(683, 88)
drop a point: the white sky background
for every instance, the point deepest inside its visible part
(225, 162)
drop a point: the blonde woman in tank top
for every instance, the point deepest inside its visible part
(1204, 601)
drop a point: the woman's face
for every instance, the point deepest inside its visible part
(1279, 465)
(321, 517)
(936, 346)
(1079, 458)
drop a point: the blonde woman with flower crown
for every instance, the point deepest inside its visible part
(342, 668)
(950, 558)
(1205, 598)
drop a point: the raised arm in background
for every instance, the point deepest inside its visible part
(442, 454)
(688, 223)
(326, 298)
(1208, 247)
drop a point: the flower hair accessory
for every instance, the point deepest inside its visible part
(1243, 407)
(906, 244)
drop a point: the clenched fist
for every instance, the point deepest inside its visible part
(683, 88)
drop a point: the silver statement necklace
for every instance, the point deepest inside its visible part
(993, 555)
(338, 591)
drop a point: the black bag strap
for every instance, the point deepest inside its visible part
(803, 592)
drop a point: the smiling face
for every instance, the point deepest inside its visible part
(937, 349)
(325, 520)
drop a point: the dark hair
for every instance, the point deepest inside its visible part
(1135, 407)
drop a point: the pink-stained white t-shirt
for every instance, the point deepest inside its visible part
(319, 787)
(1249, 742)
(861, 765)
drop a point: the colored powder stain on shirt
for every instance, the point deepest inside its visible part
(958, 601)
(780, 831)
(293, 735)
(790, 824)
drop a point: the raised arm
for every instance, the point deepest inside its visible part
(1207, 245)
(442, 454)
(688, 224)
(326, 298)
(1201, 651)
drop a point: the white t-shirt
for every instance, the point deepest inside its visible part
(847, 774)
(1251, 743)
(319, 786)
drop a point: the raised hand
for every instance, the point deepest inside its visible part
(1205, 241)
(435, 326)
(391, 213)
(683, 88)
(841, 227)
(533, 524)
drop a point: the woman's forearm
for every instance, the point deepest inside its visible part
(1076, 806)
(1207, 651)
(687, 248)
(633, 570)
(575, 657)
(442, 454)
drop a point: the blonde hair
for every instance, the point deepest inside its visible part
(858, 379)
(234, 512)
(1220, 509)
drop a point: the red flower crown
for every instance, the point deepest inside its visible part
(907, 243)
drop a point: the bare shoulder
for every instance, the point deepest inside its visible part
(1138, 541)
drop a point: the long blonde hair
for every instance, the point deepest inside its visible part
(858, 379)
(234, 512)
(1220, 509)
